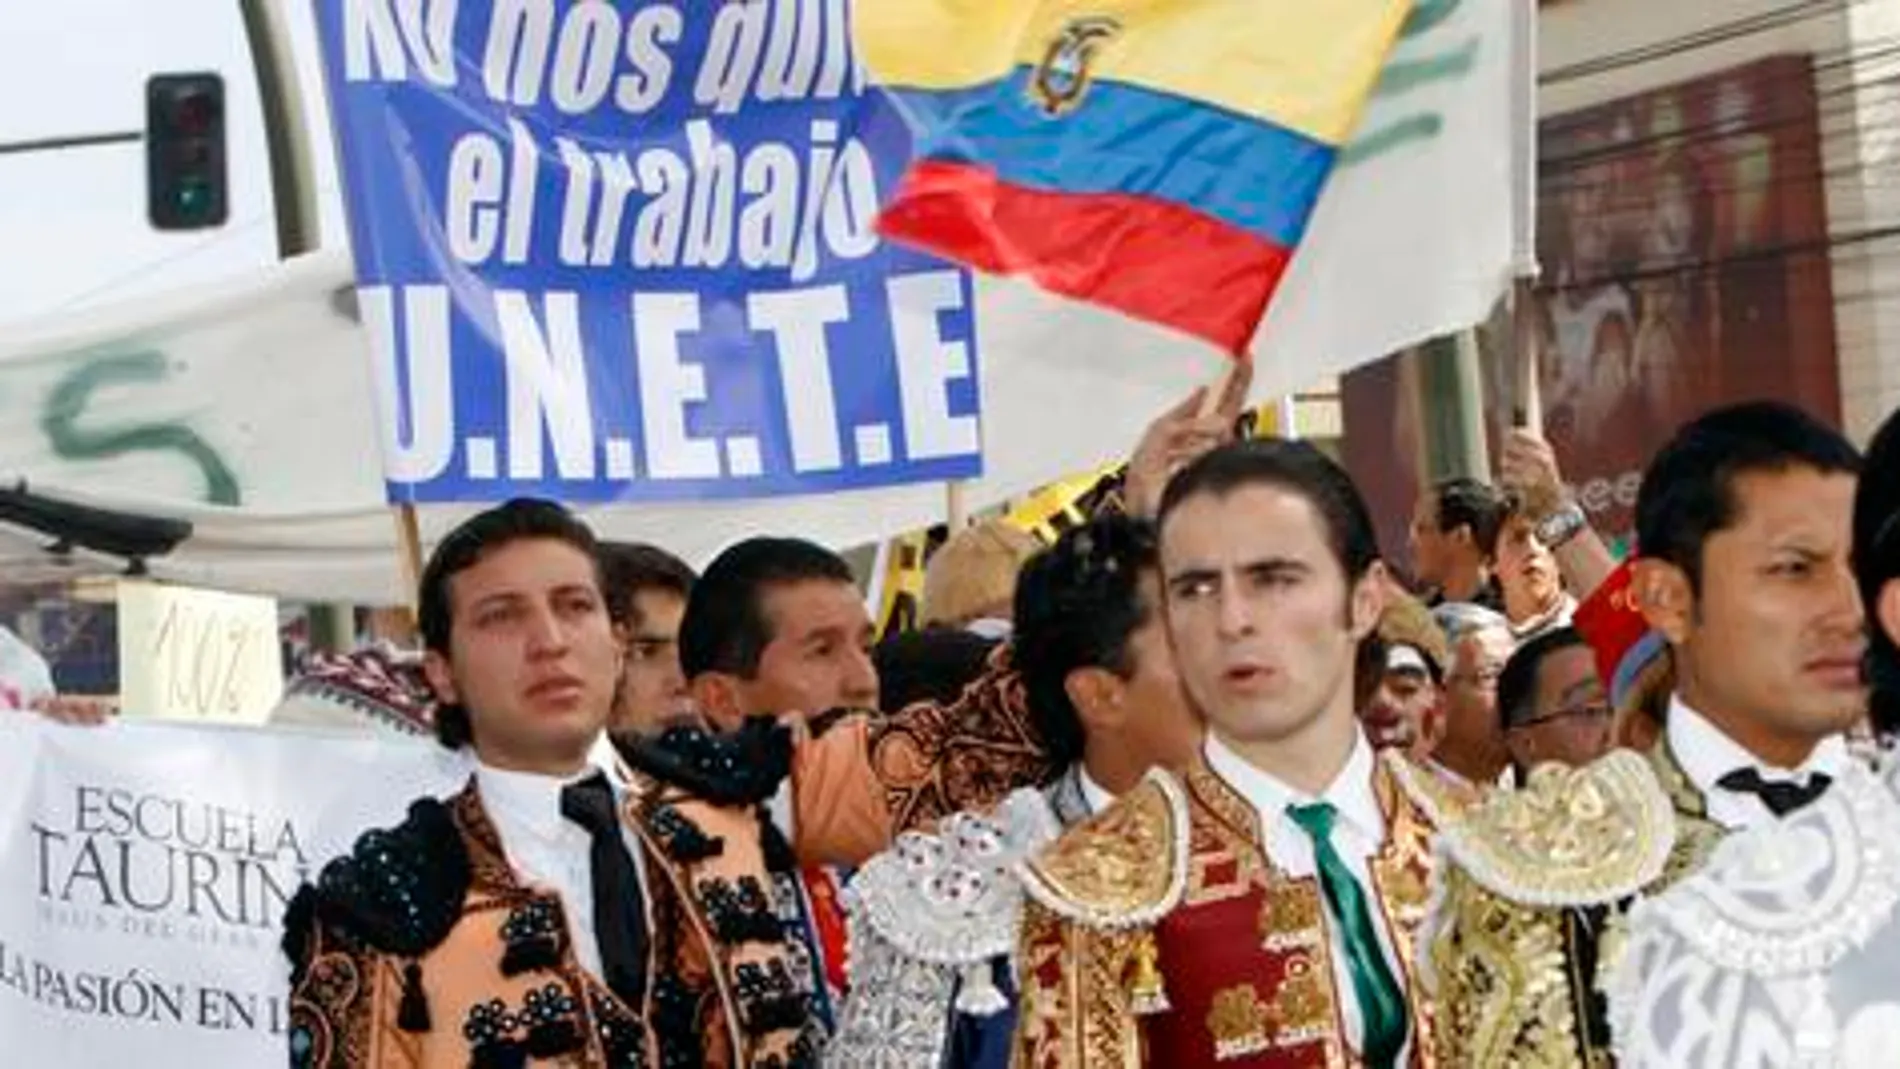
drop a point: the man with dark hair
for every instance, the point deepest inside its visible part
(1745, 527)
(514, 527)
(646, 594)
(1553, 703)
(776, 628)
(1264, 903)
(1547, 556)
(1454, 533)
(1092, 651)
(777, 625)
(1093, 657)
(552, 910)
(1528, 576)
(1806, 904)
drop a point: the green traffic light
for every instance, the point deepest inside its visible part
(193, 198)
(185, 151)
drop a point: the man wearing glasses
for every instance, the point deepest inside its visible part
(1553, 703)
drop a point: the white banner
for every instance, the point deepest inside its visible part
(144, 870)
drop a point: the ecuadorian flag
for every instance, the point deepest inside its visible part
(1161, 157)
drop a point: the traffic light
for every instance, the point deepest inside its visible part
(185, 186)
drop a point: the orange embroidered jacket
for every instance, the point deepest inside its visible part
(860, 779)
(422, 949)
(1158, 933)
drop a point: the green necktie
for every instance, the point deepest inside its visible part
(1381, 1003)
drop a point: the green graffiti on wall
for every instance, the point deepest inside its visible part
(61, 420)
(1405, 76)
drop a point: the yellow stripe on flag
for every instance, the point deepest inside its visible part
(1306, 65)
(939, 44)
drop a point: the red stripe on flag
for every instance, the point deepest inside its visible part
(1149, 258)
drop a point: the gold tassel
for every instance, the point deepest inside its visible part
(1146, 993)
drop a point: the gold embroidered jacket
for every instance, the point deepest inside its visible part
(1159, 933)
(1528, 907)
(422, 950)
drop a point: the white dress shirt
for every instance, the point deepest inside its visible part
(1357, 836)
(549, 851)
(1094, 795)
(1706, 754)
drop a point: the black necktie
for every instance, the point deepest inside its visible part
(1779, 795)
(619, 918)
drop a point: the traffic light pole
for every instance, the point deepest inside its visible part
(294, 196)
(286, 134)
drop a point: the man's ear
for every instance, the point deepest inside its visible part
(1664, 597)
(1887, 610)
(717, 696)
(1523, 747)
(435, 668)
(1098, 696)
(1368, 601)
(1431, 726)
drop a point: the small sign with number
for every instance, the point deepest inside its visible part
(190, 654)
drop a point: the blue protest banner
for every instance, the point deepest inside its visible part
(625, 251)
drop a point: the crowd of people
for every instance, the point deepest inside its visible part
(1202, 782)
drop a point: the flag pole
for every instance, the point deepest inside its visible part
(1217, 391)
(1528, 387)
(955, 509)
(409, 545)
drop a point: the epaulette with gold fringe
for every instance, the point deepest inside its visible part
(1569, 837)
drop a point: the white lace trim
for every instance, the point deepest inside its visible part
(1856, 828)
(950, 898)
(1816, 1038)
(1622, 985)
(1135, 917)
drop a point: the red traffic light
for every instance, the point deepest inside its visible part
(194, 113)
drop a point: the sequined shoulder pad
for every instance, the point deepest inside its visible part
(1569, 837)
(949, 897)
(400, 890)
(1126, 867)
(739, 768)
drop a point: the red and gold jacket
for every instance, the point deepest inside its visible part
(1158, 933)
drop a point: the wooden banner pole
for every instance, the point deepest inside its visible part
(409, 546)
(956, 510)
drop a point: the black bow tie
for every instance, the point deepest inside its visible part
(1780, 796)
